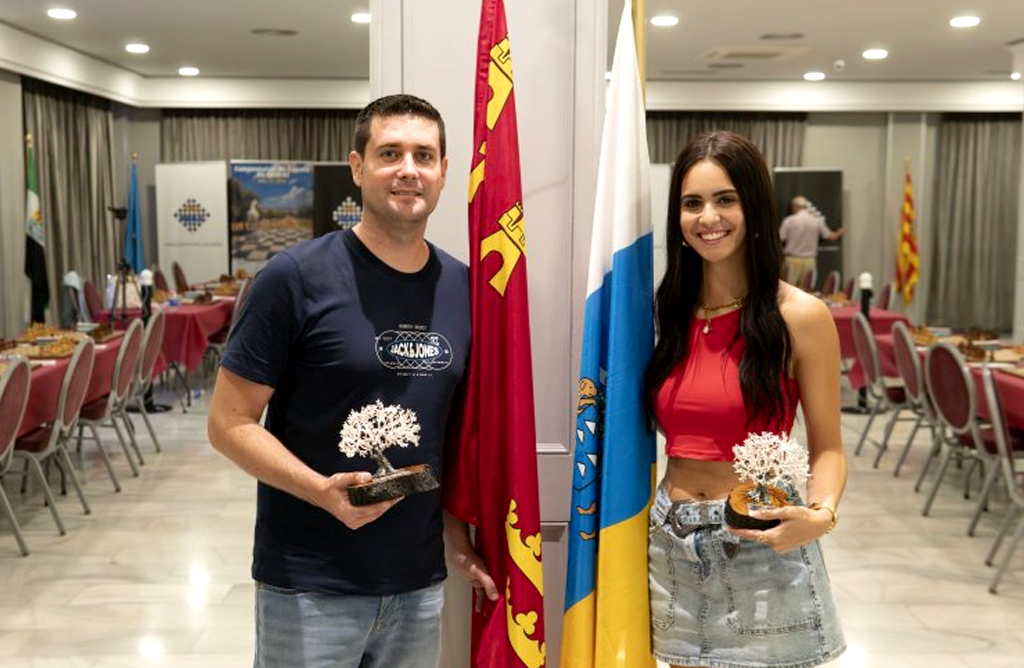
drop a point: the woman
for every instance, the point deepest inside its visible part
(738, 349)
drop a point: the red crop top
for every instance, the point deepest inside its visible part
(701, 408)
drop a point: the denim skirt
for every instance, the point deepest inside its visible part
(724, 602)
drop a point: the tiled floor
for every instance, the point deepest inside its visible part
(158, 575)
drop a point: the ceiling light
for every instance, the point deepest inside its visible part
(61, 13)
(782, 35)
(188, 71)
(964, 21)
(875, 54)
(361, 17)
(664, 21)
(814, 76)
(1015, 76)
(136, 47)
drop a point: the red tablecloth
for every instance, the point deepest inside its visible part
(1011, 387)
(46, 380)
(189, 327)
(881, 323)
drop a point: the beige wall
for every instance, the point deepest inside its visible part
(14, 304)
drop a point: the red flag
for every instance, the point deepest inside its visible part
(492, 483)
(908, 261)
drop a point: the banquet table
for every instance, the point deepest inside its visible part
(47, 376)
(1010, 386)
(189, 327)
(881, 323)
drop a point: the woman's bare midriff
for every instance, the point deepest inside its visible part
(698, 480)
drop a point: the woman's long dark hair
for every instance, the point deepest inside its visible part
(768, 352)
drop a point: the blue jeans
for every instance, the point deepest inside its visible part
(310, 630)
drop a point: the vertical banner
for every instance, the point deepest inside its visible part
(492, 483)
(337, 201)
(908, 262)
(271, 209)
(607, 610)
(192, 218)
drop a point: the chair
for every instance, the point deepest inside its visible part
(954, 397)
(1012, 476)
(152, 342)
(887, 393)
(909, 364)
(831, 283)
(884, 297)
(159, 280)
(14, 387)
(849, 287)
(180, 282)
(48, 442)
(219, 340)
(103, 412)
(93, 301)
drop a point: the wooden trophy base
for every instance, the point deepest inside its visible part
(737, 507)
(403, 482)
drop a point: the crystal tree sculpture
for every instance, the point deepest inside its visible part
(770, 460)
(374, 428)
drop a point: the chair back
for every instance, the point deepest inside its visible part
(159, 280)
(74, 386)
(127, 363)
(867, 352)
(807, 281)
(14, 388)
(93, 300)
(848, 287)
(951, 389)
(180, 282)
(243, 292)
(831, 283)
(152, 342)
(1000, 427)
(884, 296)
(908, 362)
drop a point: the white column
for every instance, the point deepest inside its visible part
(428, 48)
(1018, 298)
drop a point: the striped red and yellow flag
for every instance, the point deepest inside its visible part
(908, 261)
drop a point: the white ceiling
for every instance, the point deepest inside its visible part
(216, 36)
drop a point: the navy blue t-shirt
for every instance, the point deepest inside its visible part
(332, 328)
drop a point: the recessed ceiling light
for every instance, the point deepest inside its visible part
(136, 47)
(62, 13)
(361, 17)
(964, 21)
(188, 71)
(814, 76)
(274, 32)
(875, 54)
(664, 21)
(1015, 76)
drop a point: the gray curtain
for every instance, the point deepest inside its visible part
(256, 134)
(972, 264)
(73, 140)
(780, 136)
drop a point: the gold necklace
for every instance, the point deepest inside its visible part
(708, 310)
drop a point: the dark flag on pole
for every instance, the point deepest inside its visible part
(133, 253)
(35, 237)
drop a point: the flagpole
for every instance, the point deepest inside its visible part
(640, 35)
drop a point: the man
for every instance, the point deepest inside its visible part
(800, 232)
(337, 584)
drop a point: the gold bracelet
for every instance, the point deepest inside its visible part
(832, 511)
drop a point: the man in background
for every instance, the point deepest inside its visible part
(800, 232)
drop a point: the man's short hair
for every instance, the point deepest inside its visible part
(394, 105)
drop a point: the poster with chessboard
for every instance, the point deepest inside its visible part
(271, 208)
